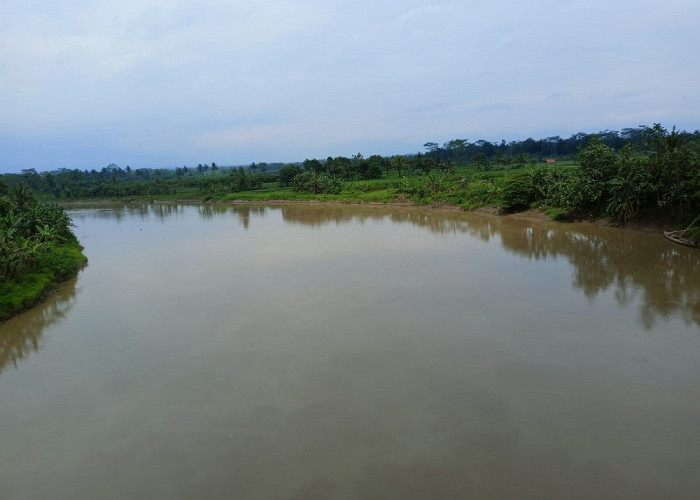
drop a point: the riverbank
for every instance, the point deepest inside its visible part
(58, 265)
(648, 224)
(38, 250)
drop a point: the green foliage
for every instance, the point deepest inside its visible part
(624, 183)
(63, 260)
(373, 167)
(423, 163)
(674, 169)
(481, 161)
(288, 173)
(518, 192)
(558, 213)
(399, 163)
(6, 207)
(241, 182)
(657, 171)
(597, 164)
(18, 294)
(317, 183)
(18, 255)
(22, 196)
(481, 192)
(313, 166)
(629, 186)
(426, 187)
(370, 185)
(620, 184)
(555, 186)
(43, 220)
(255, 181)
(37, 249)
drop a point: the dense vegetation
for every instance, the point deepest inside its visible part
(37, 249)
(212, 179)
(619, 184)
(617, 174)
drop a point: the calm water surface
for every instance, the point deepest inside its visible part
(315, 352)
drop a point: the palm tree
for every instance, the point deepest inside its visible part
(22, 196)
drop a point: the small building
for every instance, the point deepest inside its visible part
(550, 160)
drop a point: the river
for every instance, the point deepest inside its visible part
(339, 352)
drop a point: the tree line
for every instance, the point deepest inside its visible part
(211, 179)
(503, 153)
(662, 178)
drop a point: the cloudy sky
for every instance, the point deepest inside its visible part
(166, 83)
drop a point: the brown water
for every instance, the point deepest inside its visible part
(355, 353)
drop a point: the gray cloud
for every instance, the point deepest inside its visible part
(167, 83)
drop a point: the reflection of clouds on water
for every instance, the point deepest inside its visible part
(20, 336)
(663, 276)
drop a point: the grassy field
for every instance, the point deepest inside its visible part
(464, 186)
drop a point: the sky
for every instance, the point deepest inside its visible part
(167, 83)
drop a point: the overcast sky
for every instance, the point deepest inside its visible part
(166, 83)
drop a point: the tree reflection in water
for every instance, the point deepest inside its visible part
(602, 258)
(21, 335)
(120, 211)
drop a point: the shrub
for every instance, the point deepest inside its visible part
(317, 183)
(480, 192)
(518, 192)
(288, 173)
(426, 186)
(18, 255)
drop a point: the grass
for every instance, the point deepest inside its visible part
(558, 213)
(465, 186)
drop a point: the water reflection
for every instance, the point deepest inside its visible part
(164, 211)
(602, 258)
(243, 212)
(21, 336)
(629, 263)
(437, 222)
(393, 353)
(121, 211)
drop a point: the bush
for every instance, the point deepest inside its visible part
(427, 186)
(317, 183)
(18, 255)
(29, 232)
(480, 192)
(518, 192)
(63, 261)
(288, 173)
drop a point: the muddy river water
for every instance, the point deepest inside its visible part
(337, 352)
